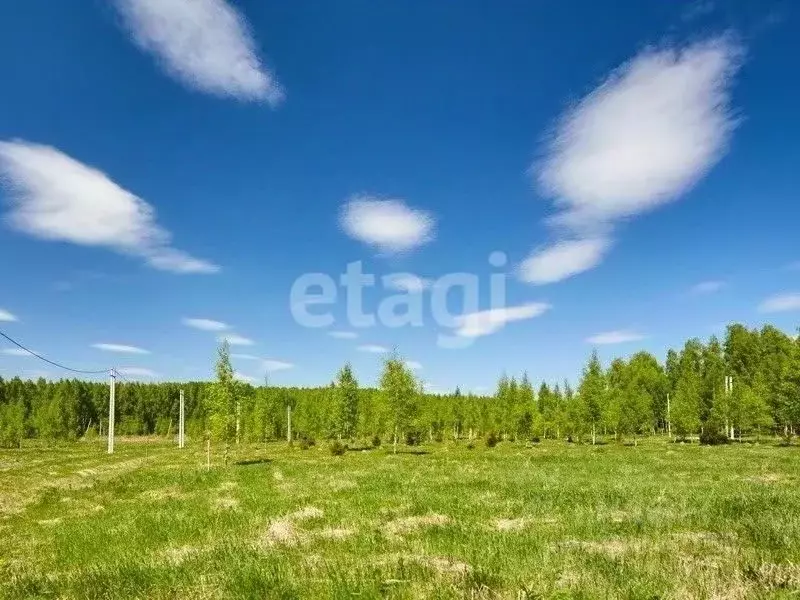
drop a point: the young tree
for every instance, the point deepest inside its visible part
(592, 393)
(221, 409)
(346, 403)
(400, 388)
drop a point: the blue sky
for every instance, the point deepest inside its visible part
(170, 164)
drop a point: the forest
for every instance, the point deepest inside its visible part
(686, 396)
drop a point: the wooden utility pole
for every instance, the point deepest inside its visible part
(181, 422)
(111, 408)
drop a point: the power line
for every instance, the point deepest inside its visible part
(47, 360)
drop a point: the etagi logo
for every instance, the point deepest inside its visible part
(407, 308)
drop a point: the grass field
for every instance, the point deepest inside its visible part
(554, 520)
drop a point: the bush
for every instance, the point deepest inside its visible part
(471, 446)
(338, 448)
(413, 438)
(307, 442)
(535, 439)
(713, 437)
(376, 441)
(438, 436)
(491, 439)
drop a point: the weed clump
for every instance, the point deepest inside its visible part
(338, 448)
(491, 439)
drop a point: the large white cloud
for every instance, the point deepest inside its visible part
(388, 225)
(206, 44)
(643, 138)
(57, 198)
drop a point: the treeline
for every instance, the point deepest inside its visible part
(685, 396)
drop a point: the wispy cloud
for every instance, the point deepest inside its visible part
(244, 356)
(563, 259)
(234, 339)
(406, 282)
(271, 365)
(56, 198)
(413, 365)
(120, 348)
(372, 348)
(245, 378)
(641, 139)
(206, 324)
(138, 372)
(7, 316)
(486, 322)
(707, 287)
(343, 335)
(388, 225)
(619, 336)
(781, 303)
(17, 352)
(205, 44)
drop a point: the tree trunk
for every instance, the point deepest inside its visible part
(208, 455)
(593, 435)
(394, 445)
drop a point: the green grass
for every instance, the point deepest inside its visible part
(554, 520)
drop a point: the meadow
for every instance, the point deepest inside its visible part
(548, 520)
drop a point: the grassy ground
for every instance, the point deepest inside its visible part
(555, 520)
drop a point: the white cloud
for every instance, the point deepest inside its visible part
(138, 372)
(244, 356)
(245, 378)
(120, 348)
(413, 365)
(707, 287)
(388, 225)
(343, 335)
(205, 44)
(563, 259)
(56, 198)
(780, 303)
(406, 282)
(17, 352)
(235, 339)
(206, 324)
(486, 322)
(276, 365)
(7, 316)
(620, 336)
(374, 349)
(641, 139)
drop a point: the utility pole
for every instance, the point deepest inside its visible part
(669, 421)
(181, 422)
(111, 408)
(728, 391)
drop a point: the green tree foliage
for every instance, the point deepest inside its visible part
(593, 394)
(222, 401)
(345, 403)
(400, 390)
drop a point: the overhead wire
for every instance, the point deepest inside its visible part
(51, 362)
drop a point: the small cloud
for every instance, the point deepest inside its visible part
(486, 322)
(707, 287)
(343, 335)
(138, 372)
(562, 260)
(388, 225)
(781, 303)
(235, 339)
(206, 324)
(406, 282)
(244, 356)
(56, 198)
(620, 336)
(372, 348)
(244, 378)
(413, 365)
(17, 352)
(276, 365)
(205, 44)
(7, 316)
(120, 348)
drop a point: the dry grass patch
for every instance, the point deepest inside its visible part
(507, 525)
(406, 525)
(335, 533)
(226, 503)
(613, 548)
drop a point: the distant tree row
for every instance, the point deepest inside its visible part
(686, 396)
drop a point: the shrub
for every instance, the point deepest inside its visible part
(307, 442)
(535, 439)
(492, 439)
(376, 441)
(471, 446)
(413, 438)
(338, 448)
(713, 437)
